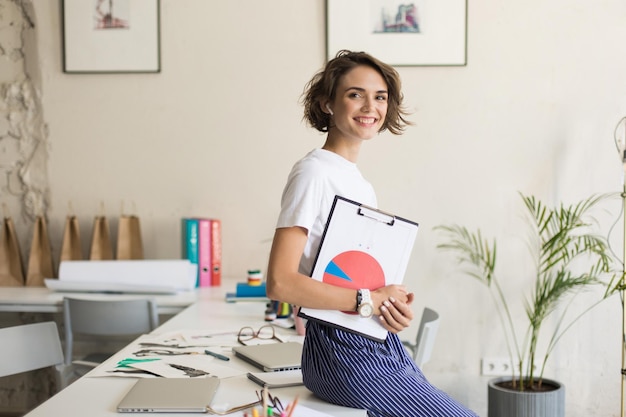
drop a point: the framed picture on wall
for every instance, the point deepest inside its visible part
(400, 32)
(102, 36)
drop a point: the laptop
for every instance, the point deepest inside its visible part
(169, 395)
(272, 357)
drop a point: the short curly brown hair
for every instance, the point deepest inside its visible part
(323, 86)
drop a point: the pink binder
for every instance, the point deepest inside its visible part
(204, 252)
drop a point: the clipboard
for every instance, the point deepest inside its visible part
(361, 247)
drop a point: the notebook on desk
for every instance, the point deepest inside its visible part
(169, 395)
(272, 357)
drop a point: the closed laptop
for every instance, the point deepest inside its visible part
(169, 395)
(272, 357)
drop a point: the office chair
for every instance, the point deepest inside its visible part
(105, 318)
(425, 340)
(32, 346)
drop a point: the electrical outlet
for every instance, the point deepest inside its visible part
(496, 366)
(500, 367)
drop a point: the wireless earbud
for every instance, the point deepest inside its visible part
(329, 110)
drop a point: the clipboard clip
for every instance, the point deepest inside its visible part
(377, 215)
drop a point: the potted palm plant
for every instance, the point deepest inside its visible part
(570, 256)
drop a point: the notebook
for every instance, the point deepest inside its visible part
(169, 395)
(272, 357)
(282, 379)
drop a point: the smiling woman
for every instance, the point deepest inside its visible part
(353, 98)
(359, 112)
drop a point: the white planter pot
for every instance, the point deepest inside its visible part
(502, 402)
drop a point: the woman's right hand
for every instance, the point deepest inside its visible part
(395, 312)
(382, 294)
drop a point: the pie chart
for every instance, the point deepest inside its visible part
(354, 269)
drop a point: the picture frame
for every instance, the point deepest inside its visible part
(111, 36)
(399, 32)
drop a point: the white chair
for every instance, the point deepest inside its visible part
(106, 318)
(32, 346)
(425, 340)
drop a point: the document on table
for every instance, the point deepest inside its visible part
(172, 355)
(180, 354)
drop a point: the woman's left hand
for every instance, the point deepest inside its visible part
(396, 315)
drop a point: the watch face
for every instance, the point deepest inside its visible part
(366, 310)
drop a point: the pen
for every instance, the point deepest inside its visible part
(217, 355)
(264, 401)
(291, 407)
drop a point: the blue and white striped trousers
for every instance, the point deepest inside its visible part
(353, 371)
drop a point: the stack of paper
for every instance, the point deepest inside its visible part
(133, 276)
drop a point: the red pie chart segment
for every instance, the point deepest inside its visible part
(354, 269)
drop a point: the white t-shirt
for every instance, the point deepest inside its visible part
(309, 194)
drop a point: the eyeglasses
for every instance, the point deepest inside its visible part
(231, 410)
(264, 333)
(274, 402)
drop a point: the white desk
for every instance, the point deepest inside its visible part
(99, 396)
(43, 300)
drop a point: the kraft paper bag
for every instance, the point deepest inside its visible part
(71, 249)
(101, 249)
(40, 258)
(11, 268)
(129, 242)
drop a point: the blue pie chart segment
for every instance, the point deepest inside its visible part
(334, 270)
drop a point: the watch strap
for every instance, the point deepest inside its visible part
(366, 306)
(365, 296)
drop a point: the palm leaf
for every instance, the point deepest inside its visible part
(475, 253)
(569, 256)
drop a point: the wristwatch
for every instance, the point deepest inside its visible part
(365, 307)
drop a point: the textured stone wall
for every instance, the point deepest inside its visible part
(23, 170)
(24, 190)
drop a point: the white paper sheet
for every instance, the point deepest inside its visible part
(150, 276)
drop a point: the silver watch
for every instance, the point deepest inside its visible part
(366, 306)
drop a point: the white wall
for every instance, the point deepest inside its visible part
(216, 132)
